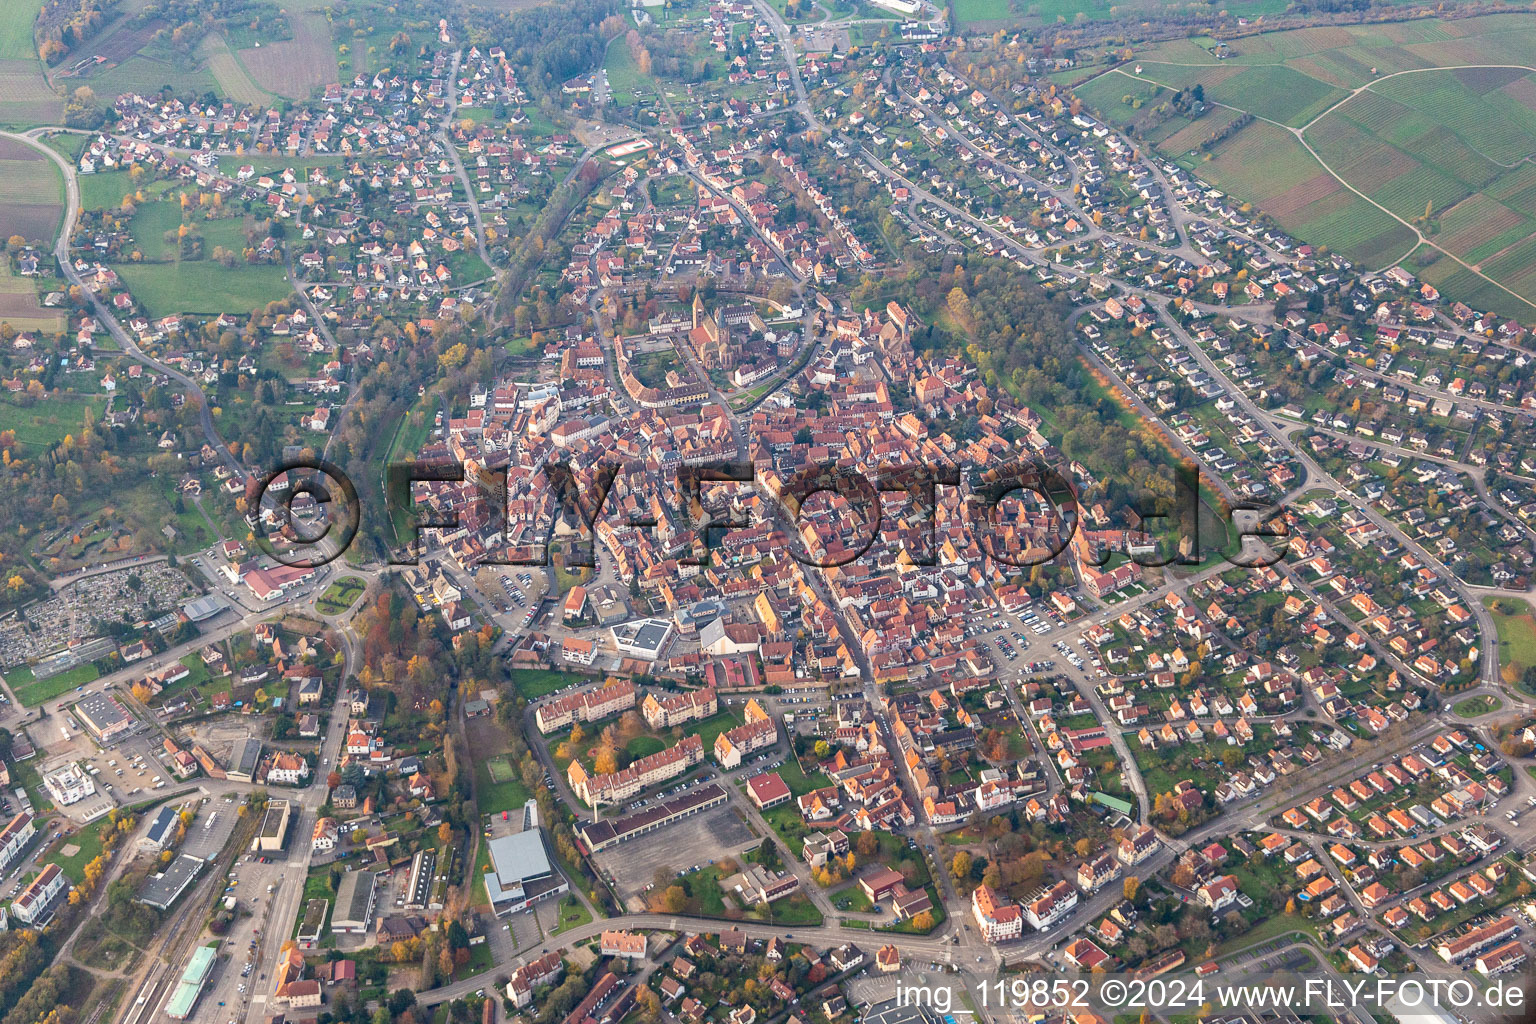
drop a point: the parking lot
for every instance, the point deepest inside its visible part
(511, 591)
(128, 772)
(695, 841)
(257, 888)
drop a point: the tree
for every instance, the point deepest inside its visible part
(1131, 886)
(960, 865)
(674, 900)
(1083, 846)
(606, 761)
(923, 922)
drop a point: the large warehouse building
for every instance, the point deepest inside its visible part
(521, 873)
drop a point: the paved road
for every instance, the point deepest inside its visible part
(104, 315)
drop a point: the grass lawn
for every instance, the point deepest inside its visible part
(852, 898)
(967, 11)
(495, 797)
(1517, 632)
(202, 286)
(798, 782)
(340, 595)
(534, 683)
(623, 75)
(479, 962)
(40, 690)
(317, 885)
(644, 746)
(1269, 928)
(16, 30)
(713, 726)
(44, 424)
(104, 191)
(573, 914)
(1475, 706)
(88, 840)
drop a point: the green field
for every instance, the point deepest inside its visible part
(1430, 138)
(46, 423)
(1049, 12)
(202, 286)
(495, 797)
(1273, 92)
(150, 223)
(144, 74)
(534, 683)
(31, 180)
(16, 20)
(103, 190)
(968, 12)
(89, 840)
(1517, 632)
(39, 690)
(623, 75)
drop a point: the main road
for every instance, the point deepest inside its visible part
(104, 315)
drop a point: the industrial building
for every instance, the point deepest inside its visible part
(521, 873)
(354, 903)
(103, 717)
(244, 759)
(274, 827)
(642, 638)
(162, 890)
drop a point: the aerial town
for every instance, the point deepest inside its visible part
(764, 511)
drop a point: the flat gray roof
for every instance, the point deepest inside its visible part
(246, 756)
(204, 607)
(100, 711)
(352, 898)
(163, 889)
(520, 857)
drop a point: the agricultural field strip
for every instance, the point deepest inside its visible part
(1300, 136)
